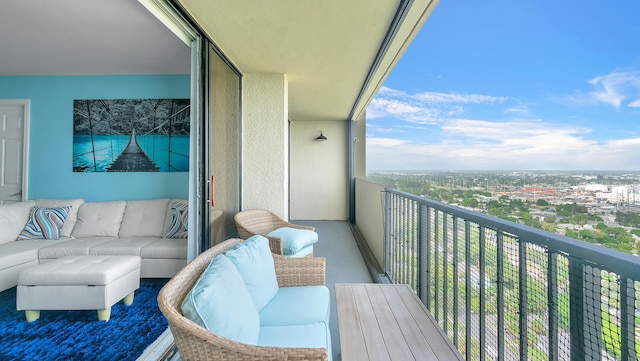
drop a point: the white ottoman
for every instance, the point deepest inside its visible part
(78, 283)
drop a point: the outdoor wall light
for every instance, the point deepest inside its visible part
(321, 136)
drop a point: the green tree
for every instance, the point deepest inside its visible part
(542, 202)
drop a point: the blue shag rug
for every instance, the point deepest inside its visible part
(78, 335)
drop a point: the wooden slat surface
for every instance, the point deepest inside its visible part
(388, 322)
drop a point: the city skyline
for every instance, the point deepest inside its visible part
(513, 86)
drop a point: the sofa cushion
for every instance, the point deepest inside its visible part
(315, 335)
(165, 249)
(220, 302)
(72, 216)
(99, 219)
(12, 255)
(254, 261)
(13, 218)
(121, 246)
(144, 218)
(293, 239)
(177, 226)
(297, 306)
(70, 247)
(44, 223)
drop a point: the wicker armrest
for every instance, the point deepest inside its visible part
(299, 226)
(275, 243)
(307, 271)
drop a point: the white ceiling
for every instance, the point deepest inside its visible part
(86, 37)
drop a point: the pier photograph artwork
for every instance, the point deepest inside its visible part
(131, 135)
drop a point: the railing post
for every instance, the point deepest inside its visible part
(467, 261)
(436, 263)
(445, 270)
(592, 313)
(483, 286)
(524, 308)
(421, 266)
(427, 270)
(552, 300)
(415, 246)
(500, 310)
(455, 282)
(400, 247)
(388, 227)
(627, 319)
(576, 299)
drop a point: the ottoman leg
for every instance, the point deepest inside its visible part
(128, 299)
(104, 315)
(32, 315)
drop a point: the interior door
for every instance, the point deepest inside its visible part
(14, 123)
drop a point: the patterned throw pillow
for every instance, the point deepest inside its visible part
(44, 223)
(177, 227)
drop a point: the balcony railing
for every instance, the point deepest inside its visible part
(503, 291)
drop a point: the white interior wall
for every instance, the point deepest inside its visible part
(265, 143)
(319, 171)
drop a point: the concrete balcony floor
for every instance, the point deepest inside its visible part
(345, 264)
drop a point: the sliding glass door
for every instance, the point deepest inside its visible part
(223, 144)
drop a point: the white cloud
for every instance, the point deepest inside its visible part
(426, 107)
(634, 104)
(482, 145)
(512, 140)
(440, 98)
(518, 109)
(615, 87)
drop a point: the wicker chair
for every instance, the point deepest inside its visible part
(197, 343)
(260, 221)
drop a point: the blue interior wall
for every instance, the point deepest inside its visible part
(51, 135)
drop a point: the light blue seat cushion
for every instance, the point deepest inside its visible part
(294, 240)
(221, 303)
(315, 335)
(302, 253)
(297, 306)
(254, 261)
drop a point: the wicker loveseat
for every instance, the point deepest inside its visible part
(260, 221)
(197, 343)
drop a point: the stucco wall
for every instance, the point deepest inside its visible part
(265, 143)
(319, 171)
(369, 216)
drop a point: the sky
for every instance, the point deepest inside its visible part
(514, 85)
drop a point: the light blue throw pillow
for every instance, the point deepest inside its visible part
(293, 239)
(220, 302)
(255, 263)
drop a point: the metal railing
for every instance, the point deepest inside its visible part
(503, 291)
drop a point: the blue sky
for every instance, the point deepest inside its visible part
(514, 85)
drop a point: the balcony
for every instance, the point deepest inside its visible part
(502, 291)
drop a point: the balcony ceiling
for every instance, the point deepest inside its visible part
(325, 47)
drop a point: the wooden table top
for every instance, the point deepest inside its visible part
(388, 322)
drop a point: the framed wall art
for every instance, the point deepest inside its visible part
(131, 135)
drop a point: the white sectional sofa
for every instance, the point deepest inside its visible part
(154, 230)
